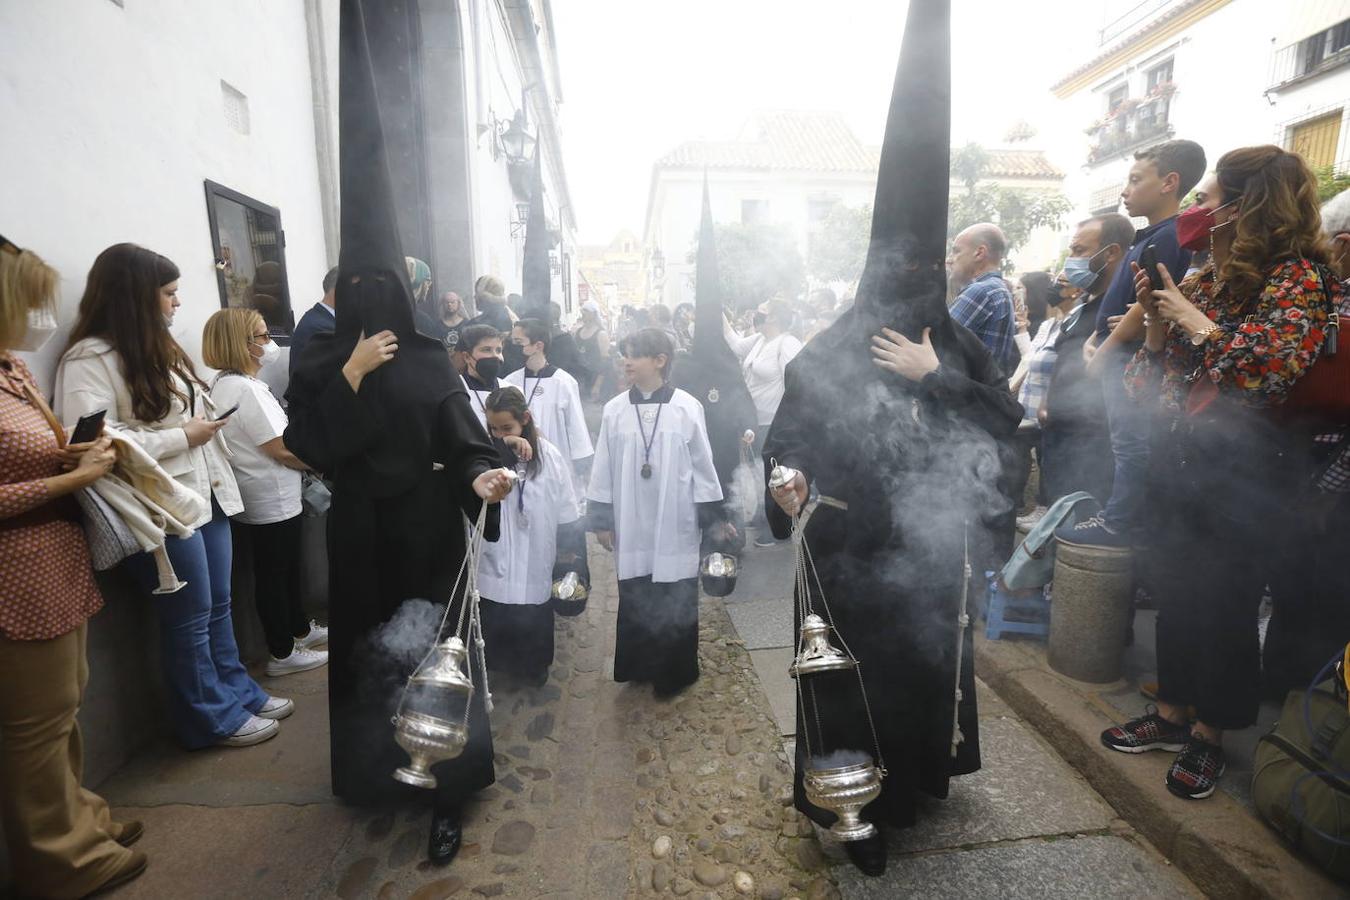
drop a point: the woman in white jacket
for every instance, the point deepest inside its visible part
(122, 359)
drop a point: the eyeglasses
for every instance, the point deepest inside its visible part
(262, 337)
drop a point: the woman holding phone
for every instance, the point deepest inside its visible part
(122, 358)
(237, 343)
(1221, 354)
(62, 840)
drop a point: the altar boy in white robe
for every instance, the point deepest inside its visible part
(554, 400)
(653, 491)
(515, 574)
(483, 365)
(552, 395)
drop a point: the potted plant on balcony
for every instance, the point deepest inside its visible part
(1162, 89)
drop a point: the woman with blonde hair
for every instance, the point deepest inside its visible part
(61, 839)
(123, 359)
(1222, 354)
(237, 343)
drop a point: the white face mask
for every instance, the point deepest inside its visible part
(41, 327)
(270, 351)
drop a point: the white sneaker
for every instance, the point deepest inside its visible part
(253, 731)
(276, 708)
(300, 660)
(318, 634)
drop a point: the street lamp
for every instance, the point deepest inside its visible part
(517, 143)
(658, 264)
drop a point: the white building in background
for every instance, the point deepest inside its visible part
(208, 132)
(791, 169)
(1224, 73)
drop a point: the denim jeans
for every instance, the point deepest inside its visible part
(1130, 423)
(210, 693)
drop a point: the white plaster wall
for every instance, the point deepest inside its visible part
(493, 86)
(113, 118)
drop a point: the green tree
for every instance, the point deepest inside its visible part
(1330, 182)
(1018, 212)
(838, 248)
(756, 263)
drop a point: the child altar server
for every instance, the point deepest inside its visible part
(653, 491)
(515, 574)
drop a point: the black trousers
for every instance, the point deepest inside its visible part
(1226, 491)
(276, 581)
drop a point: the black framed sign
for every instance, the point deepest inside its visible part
(249, 248)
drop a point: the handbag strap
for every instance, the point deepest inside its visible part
(35, 397)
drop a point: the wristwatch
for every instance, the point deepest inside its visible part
(1199, 337)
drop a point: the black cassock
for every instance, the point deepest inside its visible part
(382, 551)
(918, 467)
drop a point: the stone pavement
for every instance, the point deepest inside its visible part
(605, 792)
(1220, 843)
(1025, 825)
(602, 792)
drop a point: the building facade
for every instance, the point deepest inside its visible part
(1224, 73)
(792, 169)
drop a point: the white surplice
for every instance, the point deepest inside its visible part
(518, 568)
(656, 529)
(555, 404)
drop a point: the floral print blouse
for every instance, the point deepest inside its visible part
(1259, 349)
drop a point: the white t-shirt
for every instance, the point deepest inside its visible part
(763, 362)
(270, 491)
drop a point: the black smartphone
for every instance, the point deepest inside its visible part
(88, 428)
(227, 413)
(1148, 261)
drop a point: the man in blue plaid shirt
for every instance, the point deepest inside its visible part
(985, 305)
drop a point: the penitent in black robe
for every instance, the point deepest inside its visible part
(918, 467)
(382, 551)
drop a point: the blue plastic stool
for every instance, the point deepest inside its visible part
(1034, 611)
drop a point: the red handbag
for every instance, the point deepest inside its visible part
(1324, 390)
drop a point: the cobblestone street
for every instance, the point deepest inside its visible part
(603, 791)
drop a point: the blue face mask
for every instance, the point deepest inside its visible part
(1078, 270)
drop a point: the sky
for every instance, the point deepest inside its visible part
(640, 77)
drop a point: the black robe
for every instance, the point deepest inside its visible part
(383, 551)
(918, 466)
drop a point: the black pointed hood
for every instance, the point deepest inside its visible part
(904, 282)
(536, 279)
(709, 343)
(373, 292)
(710, 370)
(369, 233)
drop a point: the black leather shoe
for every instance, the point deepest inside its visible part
(446, 837)
(869, 854)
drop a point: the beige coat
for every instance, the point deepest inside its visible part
(151, 503)
(89, 378)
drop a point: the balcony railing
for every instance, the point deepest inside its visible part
(1133, 124)
(1312, 56)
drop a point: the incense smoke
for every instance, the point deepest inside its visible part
(840, 758)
